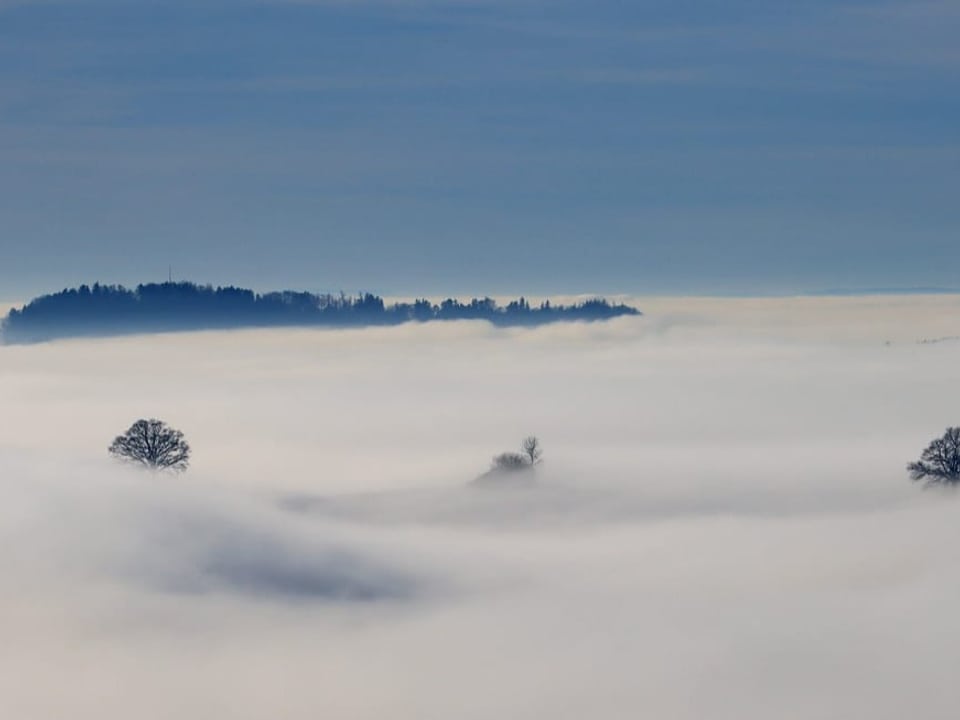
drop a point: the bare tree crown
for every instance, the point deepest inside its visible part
(154, 445)
(532, 449)
(940, 462)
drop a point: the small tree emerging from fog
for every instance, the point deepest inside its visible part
(532, 449)
(152, 444)
(531, 455)
(940, 462)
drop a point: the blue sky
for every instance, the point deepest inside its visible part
(421, 146)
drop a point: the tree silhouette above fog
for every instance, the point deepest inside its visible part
(939, 464)
(114, 309)
(532, 450)
(514, 464)
(152, 444)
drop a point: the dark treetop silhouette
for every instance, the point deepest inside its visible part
(152, 444)
(171, 306)
(940, 462)
(513, 466)
(508, 461)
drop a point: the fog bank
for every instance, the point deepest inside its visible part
(722, 526)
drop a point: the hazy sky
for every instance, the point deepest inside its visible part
(480, 146)
(723, 526)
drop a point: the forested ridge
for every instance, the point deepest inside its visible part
(158, 307)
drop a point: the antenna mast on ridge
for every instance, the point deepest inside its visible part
(169, 273)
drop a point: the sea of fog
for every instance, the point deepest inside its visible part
(722, 526)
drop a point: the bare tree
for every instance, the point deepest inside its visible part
(940, 462)
(152, 444)
(532, 449)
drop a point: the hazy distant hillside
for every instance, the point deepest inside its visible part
(169, 306)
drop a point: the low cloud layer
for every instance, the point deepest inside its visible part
(722, 527)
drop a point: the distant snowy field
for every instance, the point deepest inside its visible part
(722, 526)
